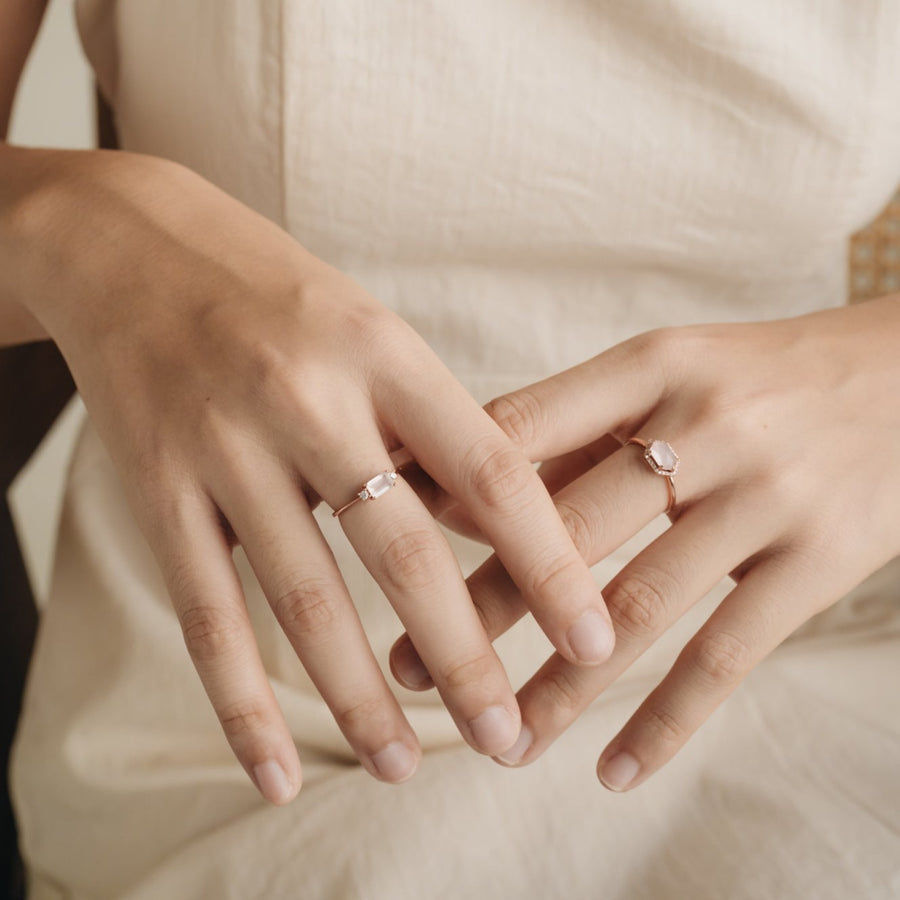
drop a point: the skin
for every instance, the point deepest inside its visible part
(235, 380)
(786, 433)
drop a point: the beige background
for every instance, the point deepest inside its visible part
(53, 109)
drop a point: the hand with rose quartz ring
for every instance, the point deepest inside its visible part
(782, 430)
(235, 378)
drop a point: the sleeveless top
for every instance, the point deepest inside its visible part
(526, 183)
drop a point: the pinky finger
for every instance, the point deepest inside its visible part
(195, 557)
(742, 631)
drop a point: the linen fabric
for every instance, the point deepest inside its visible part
(526, 182)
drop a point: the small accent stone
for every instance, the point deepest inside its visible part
(379, 485)
(662, 458)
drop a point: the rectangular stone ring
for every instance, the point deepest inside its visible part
(663, 460)
(373, 489)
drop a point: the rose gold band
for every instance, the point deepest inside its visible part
(662, 460)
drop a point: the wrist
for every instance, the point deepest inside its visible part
(18, 324)
(33, 209)
(63, 225)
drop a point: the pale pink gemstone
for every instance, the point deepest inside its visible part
(662, 457)
(379, 485)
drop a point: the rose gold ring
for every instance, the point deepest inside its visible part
(374, 488)
(663, 460)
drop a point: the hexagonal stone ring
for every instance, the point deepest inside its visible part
(663, 460)
(374, 488)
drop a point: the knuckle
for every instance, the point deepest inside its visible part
(741, 411)
(299, 390)
(787, 488)
(664, 726)
(211, 633)
(657, 346)
(463, 673)
(385, 340)
(637, 605)
(414, 559)
(720, 658)
(268, 366)
(579, 527)
(501, 476)
(563, 690)
(718, 407)
(669, 351)
(827, 541)
(554, 579)
(240, 719)
(309, 399)
(359, 714)
(307, 609)
(519, 415)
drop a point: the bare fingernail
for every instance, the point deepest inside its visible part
(395, 763)
(618, 772)
(494, 730)
(519, 748)
(591, 638)
(409, 667)
(273, 783)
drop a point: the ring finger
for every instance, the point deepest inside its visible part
(401, 545)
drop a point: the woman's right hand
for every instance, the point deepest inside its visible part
(235, 379)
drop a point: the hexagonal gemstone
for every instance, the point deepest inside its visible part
(662, 458)
(379, 485)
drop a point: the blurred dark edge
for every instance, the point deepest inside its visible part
(35, 385)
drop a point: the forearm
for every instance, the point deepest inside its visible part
(19, 23)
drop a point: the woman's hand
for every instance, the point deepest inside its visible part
(787, 434)
(235, 380)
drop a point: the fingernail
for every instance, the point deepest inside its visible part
(395, 763)
(519, 748)
(273, 783)
(409, 665)
(618, 772)
(591, 638)
(494, 730)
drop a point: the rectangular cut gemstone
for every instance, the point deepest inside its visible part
(379, 485)
(664, 457)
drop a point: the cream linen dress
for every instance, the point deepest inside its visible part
(526, 182)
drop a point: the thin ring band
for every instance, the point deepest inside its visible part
(375, 487)
(662, 460)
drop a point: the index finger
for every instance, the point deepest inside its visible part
(469, 456)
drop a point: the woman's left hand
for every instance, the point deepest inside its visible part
(788, 435)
